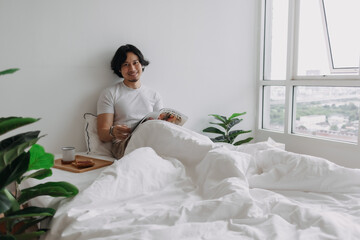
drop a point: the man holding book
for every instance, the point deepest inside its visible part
(122, 106)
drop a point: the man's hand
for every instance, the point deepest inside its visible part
(121, 132)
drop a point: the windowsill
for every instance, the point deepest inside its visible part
(304, 136)
(342, 153)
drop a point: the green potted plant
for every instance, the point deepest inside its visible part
(226, 124)
(21, 158)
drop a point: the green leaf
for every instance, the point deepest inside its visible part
(243, 141)
(9, 71)
(39, 158)
(235, 133)
(29, 212)
(10, 123)
(41, 174)
(234, 115)
(14, 170)
(219, 117)
(53, 189)
(213, 130)
(14, 206)
(5, 202)
(232, 123)
(223, 125)
(12, 147)
(220, 139)
(10, 142)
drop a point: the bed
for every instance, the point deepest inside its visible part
(174, 183)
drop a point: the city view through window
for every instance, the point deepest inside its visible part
(330, 112)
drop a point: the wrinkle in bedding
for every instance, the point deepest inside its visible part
(176, 184)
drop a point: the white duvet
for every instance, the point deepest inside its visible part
(176, 184)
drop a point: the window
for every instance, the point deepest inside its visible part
(310, 82)
(328, 37)
(276, 26)
(274, 107)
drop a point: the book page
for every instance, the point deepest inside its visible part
(173, 116)
(166, 114)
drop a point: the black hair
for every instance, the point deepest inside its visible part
(121, 55)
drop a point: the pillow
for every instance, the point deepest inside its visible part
(93, 144)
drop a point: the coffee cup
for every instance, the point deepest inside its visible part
(68, 155)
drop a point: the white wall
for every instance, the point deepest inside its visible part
(202, 53)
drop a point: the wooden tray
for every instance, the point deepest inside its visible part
(99, 163)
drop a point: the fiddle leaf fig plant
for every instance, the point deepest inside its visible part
(20, 154)
(224, 126)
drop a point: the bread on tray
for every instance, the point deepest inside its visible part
(83, 163)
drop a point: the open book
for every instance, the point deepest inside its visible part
(166, 114)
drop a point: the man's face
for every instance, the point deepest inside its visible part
(131, 69)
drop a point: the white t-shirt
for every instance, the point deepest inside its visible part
(128, 105)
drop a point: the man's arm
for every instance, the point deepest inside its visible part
(105, 122)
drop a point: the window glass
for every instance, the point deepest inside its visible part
(276, 31)
(330, 112)
(328, 39)
(342, 18)
(274, 108)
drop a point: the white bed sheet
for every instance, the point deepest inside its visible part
(176, 184)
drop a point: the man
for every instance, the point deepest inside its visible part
(121, 106)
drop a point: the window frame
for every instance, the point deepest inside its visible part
(293, 43)
(292, 80)
(329, 47)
